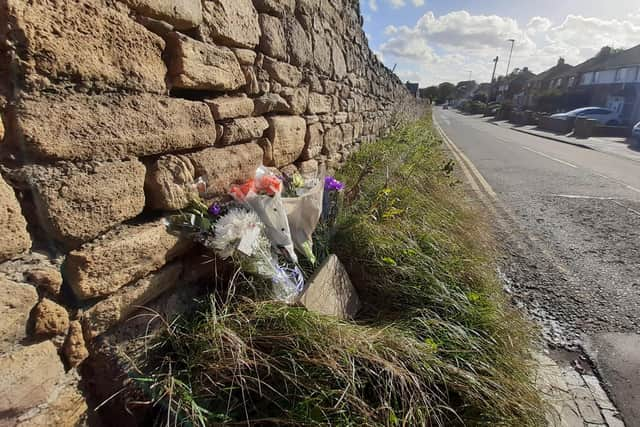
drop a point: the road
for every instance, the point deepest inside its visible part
(568, 221)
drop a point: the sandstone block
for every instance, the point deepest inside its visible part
(283, 73)
(181, 14)
(308, 169)
(119, 306)
(74, 347)
(332, 140)
(243, 129)
(85, 42)
(272, 40)
(47, 279)
(245, 56)
(16, 302)
(202, 66)
(50, 318)
(111, 126)
(230, 107)
(330, 291)
(314, 141)
(14, 238)
(339, 65)
(28, 377)
(120, 257)
(347, 133)
(319, 103)
(221, 167)
(275, 7)
(231, 22)
(270, 103)
(321, 52)
(298, 42)
(298, 99)
(287, 136)
(169, 183)
(79, 202)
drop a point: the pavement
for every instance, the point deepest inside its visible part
(567, 219)
(620, 147)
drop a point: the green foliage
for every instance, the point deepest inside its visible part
(436, 342)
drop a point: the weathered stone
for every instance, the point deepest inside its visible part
(120, 257)
(332, 140)
(49, 280)
(298, 98)
(298, 42)
(50, 318)
(319, 104)
(79, 202)
(74, 347)
(339, 65)
(286, 74)
(347, 134)
(14, 238)
(221, 167)
(244, 129)
(202, 66)
(289, 170)
(181, 14)
(272, 40)
(308, 169)
(252, 87)
(287, 135)
(85, 42)
(16, 302)
(270, 103)
(275, 7)
(341, 117)
(314, 141)
(330, 291)
(321, 52)
(230, 107)
(111, 126)
(126, 300)
(231, 22)
(245, 56)
(169, 184)
(27, 379)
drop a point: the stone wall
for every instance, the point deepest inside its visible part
(110, 112)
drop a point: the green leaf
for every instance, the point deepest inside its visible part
(389, 261)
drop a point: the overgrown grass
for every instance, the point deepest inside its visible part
(436, 343)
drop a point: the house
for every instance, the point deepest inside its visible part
(412, 88)
(611, 79)
(511, 88)
(551, 81)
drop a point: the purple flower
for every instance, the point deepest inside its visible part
(332, 184)
(214, 209)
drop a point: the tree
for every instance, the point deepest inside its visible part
(446, 91)
(430, 92)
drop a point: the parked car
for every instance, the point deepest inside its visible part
(636, 132)
(445, 107)
(604, 116)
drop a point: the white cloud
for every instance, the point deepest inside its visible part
(373, 5)
(396, 3)
(418, 3)
(447, 47)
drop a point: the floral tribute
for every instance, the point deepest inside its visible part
(269, 221)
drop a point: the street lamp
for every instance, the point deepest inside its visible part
(510, 53)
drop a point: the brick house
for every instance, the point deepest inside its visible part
(610, 79)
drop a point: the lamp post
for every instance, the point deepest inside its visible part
(510, 53)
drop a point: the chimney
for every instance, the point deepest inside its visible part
(560, 61)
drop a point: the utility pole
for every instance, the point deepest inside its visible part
(470, 74)
(493, 77)
(510, 53)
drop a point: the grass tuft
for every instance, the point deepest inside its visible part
(436, 343)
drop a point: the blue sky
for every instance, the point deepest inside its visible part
(435, 40)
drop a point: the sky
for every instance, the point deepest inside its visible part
(431, 41)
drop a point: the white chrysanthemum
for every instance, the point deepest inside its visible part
(230, 229)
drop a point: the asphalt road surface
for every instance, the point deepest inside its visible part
(568, 221)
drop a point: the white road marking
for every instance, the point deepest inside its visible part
(577, 196)
(627, 207)
(550, 157)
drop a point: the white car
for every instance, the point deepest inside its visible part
(636, 131)
(604, 116)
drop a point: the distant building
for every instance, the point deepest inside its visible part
(553, 79)
(413, 88)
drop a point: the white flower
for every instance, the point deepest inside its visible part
(231, 228)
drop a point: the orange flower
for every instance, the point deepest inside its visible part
(239, 192)
(270, 184)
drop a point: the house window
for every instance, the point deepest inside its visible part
(637, 79)
(587, 79)
(572, 81)
(620, 73)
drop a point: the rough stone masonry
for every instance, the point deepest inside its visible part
(110, 110)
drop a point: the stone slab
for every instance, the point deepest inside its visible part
(16, 302)
(14, 238)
